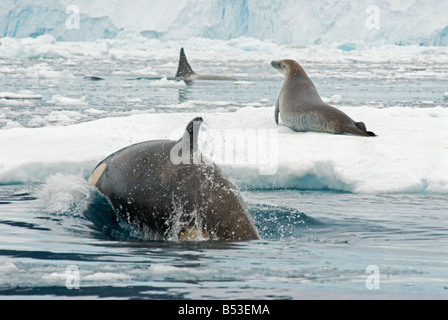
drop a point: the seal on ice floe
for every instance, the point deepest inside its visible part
(302, 109)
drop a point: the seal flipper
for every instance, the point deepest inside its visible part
(184, 71)
(363, 128)
(277, 111)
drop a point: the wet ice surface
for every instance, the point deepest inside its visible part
(337, 205)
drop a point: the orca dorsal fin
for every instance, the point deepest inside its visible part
(184, 70)
(192, 130)
(189, 141)
(186, 150)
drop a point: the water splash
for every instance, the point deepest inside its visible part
(185, 225)
(281, 223)
(65, 195)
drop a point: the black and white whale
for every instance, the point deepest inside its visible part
(186, 73)
(166, 189)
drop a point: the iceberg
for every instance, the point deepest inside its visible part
(27, 18)
(347, 23)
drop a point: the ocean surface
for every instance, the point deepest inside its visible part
(340, 217)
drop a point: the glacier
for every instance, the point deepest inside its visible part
(345, 23)
(21, 19)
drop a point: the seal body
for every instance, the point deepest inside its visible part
(302, 109)
(173, 201)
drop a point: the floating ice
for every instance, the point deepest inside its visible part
(66, 101)
(408, 156)
(335, 99)
(51, 74)
(16, 102)
(105, 276)
(21, 95)
(164, 82)
(148, 72)
(64, 117)
(93, 111)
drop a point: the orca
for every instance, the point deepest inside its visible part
(186, 73)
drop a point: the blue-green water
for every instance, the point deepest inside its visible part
(320, 254)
